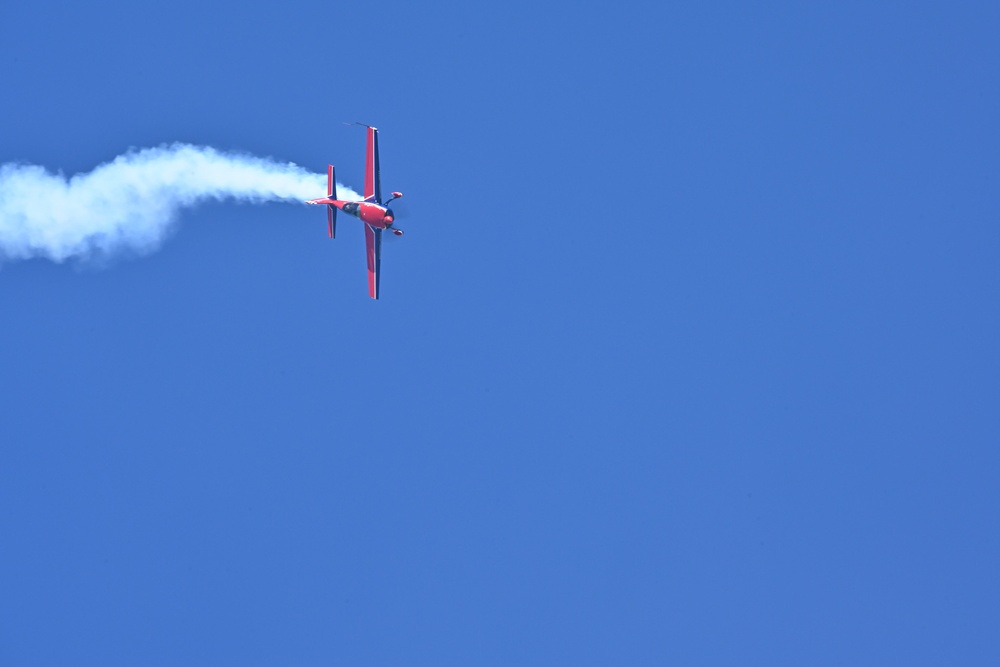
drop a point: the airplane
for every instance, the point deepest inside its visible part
(371, 210)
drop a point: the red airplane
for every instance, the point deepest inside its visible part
(376, 215)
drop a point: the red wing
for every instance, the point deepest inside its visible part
(373, 247)
(373, 181)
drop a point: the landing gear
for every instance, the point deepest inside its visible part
(397, 232)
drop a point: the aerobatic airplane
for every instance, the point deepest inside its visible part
(376, 215)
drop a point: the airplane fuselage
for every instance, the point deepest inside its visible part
(374, 214)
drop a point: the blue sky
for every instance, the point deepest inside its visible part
(689, 355)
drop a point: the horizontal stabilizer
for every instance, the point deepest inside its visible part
(331, 192)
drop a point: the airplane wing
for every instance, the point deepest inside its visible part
(373, 181)
(373, 247)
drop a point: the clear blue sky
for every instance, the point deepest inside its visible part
(689, 355)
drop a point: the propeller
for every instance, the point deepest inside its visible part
(400, 210)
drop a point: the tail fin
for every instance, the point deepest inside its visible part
(331, 211)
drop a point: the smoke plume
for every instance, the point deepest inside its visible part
(130, 203)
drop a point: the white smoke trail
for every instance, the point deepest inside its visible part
(130, 203)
